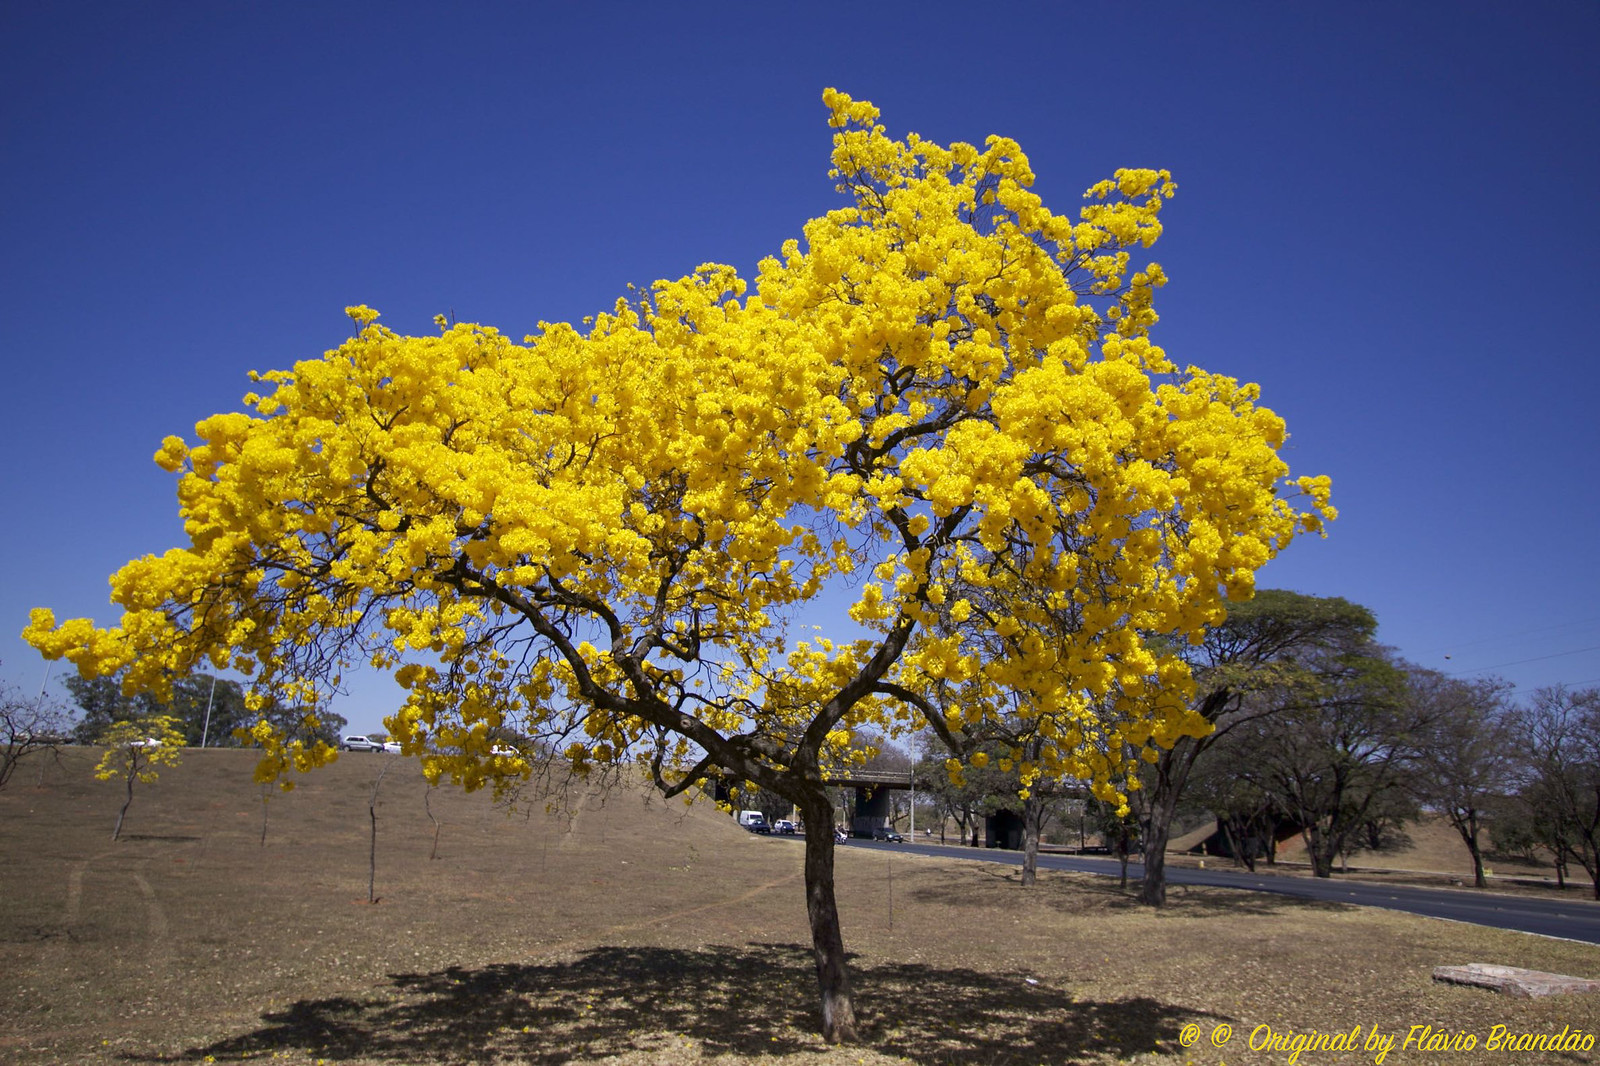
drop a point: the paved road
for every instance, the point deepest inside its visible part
(1569, 919)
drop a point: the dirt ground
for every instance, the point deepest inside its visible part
(637, 931)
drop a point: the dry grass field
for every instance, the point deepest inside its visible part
(641, 932)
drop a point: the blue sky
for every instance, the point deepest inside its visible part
(1386, 216)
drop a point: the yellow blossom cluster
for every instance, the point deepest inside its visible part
(137, 748)
(945, 397)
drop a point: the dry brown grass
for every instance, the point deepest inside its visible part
(642, 932)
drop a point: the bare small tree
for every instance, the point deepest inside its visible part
(1559, 731)
(1469, 756)
(27, 727)
(372, 812)
(427, 805)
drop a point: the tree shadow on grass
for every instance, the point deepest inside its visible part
(1205, 901)
(758, 1000)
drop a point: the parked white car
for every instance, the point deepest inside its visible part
(754, 821)
(359, 743)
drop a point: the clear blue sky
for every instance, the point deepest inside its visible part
(1386, 216)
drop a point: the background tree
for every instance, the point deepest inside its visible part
(1560, 731)
(1468, 757)
(136, 749)
(27, 727)
(1256, 663)
(206, 708)
(1119, 827)
(1335, 762)
(960, 798)
(1246, 813)
(1386, 825)
(101, 702)
(601, 535)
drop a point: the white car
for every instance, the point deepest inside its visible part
(392, 747)
(360, 743)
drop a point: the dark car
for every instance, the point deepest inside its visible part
(883, 832)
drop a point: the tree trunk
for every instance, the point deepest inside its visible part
(1153, 889)
(1467, 826)
(1320, 850)
(827, 942)
(116, 834)
(1157, 831)
(1032, 816)
(372, 856)
(427, 805)
(1241, 834)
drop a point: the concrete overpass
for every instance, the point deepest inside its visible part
(871, 807)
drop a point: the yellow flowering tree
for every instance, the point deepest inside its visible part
(136, 749)
(601, 537)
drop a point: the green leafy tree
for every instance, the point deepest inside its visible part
(1334, 762)
(207, 709)
(101, 702)
(1245, 813)
(1260, 661)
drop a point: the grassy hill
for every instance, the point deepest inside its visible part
(635, 931)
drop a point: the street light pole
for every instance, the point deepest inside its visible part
(205, 730)
(911, 778)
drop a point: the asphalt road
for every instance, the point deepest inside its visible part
(1567, 918)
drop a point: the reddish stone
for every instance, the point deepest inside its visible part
(1512, 981)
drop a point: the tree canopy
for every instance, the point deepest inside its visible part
(602, 537)
(135, 750)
